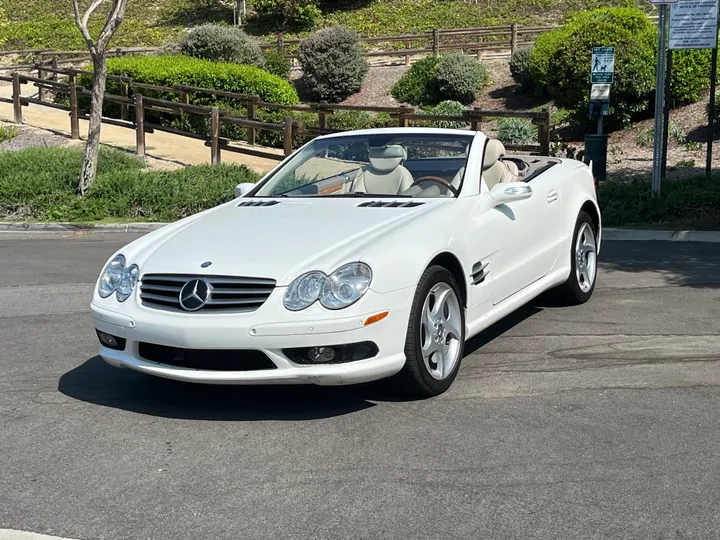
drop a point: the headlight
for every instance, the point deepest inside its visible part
(118, 279)
(341, 289)
(346, 286)
(112, 276)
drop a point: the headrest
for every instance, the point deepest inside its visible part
(386, 159)
(493, 152)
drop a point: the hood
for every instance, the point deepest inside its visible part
(280, 238)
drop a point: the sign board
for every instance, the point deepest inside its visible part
(693, 24)
(662, 2)
(603, 65)
(600, 92)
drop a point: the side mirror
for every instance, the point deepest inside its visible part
(504, 193)
(242, 189)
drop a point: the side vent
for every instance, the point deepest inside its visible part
(258, 203)
(390, 204)
(479, 272)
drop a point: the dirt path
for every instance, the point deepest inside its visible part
(164, 147)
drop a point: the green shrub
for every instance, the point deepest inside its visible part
(561, 61)
(690, 76)
(277, 64)
(8, 132)
(418, 85)
(460, 77)
(333, 63)
(39, 183)
(520, 68)
(301, 14)
(222, 44)
(646, 137)
(448, 108)
(516, 131)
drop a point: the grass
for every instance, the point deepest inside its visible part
(49, 23)
(681, 204)
(40, 184)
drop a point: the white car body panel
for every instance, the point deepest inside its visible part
(523, 248)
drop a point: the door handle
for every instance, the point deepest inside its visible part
(552, 196)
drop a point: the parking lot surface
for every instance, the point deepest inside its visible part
(600, 421)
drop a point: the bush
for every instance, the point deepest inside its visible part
(561, 59)
(277, 64)
(646, 137)
(516, 131)
(39, 183)
(448, 108)
(418, 86)
(222, 44)
(520, 68)
(333, 63)
(302, 14)
(459, 77)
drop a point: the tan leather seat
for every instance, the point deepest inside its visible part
(385, 174)
(495, 170)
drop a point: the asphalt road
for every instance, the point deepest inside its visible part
(594, 422)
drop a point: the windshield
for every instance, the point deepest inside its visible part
(388, 164)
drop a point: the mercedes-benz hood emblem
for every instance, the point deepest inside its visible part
(195, 294)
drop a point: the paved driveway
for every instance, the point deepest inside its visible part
(594, 422)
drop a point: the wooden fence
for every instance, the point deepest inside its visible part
(131, 97)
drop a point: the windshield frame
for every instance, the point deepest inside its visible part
(388, 133)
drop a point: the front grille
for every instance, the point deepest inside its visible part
(207, 359)
(227, 293)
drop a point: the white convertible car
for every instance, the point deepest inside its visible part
(364, 255)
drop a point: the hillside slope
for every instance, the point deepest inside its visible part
(49, 23)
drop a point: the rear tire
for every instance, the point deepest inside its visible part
(580, 284)
(435, 336)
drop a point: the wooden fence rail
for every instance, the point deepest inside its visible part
(131, 97)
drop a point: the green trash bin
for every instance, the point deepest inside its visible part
(596, 151)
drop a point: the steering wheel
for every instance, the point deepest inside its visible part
(437, 180)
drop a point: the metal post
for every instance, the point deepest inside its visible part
(711, 115)
(17, 95)
(659, 97)
(74, 113)
(215, 136)
(666, 128)
(139, 126)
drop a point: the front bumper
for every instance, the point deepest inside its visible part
(270, 330)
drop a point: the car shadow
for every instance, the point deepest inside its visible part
(505, 325)
(101, 384)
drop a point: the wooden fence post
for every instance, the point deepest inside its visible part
(41, 88)
(436, 42)
(139, 126)
(322, 115)
(288, 136)
(123, 106)
(513, 37)
(215, 136)
(251, 132)
(74, 114)
(544, 133)
(475, 119)
(408, 44)
(402, 118)
(17, 94)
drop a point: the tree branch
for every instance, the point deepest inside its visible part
(112, 23)
(83, 27)
(93, 7)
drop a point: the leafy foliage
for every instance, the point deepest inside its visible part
(333, 63)
(448, 108)
(459, 77)
(222, 43)
(516, 131)
(277, 64)
(39, 183)
(8, 132)
(645, 138)
(520, 68)
(560, 64)
(418, 86)
(300, 14)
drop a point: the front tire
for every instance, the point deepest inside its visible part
(580, 284)
(435, 336)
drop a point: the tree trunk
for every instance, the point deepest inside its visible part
(92, 148)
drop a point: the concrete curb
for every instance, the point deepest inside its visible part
(609, 234)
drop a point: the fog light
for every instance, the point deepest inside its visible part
(321, 355)
(110, 341)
